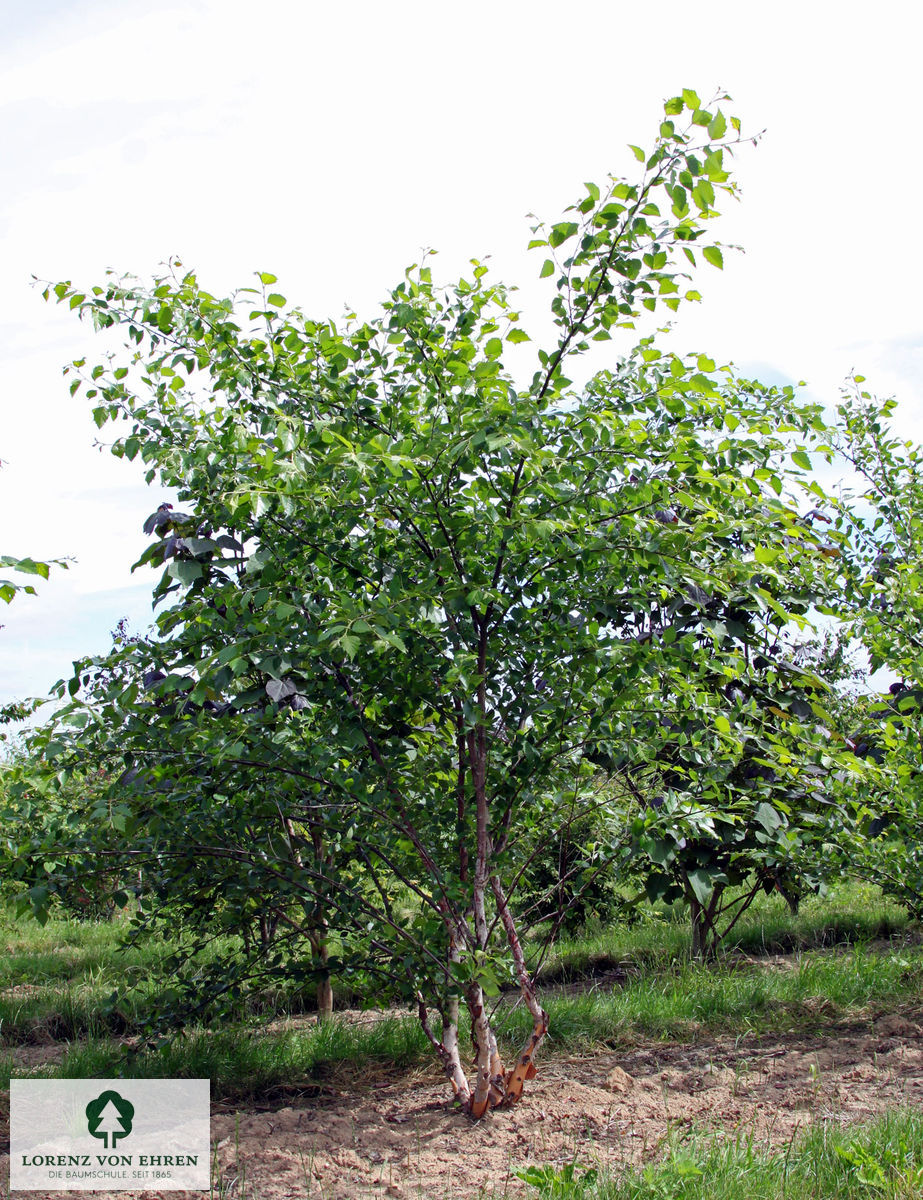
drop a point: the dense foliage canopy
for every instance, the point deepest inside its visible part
(418, 616)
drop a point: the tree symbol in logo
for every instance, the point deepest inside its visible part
(109, 1116)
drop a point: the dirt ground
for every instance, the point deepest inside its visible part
(401, 1138)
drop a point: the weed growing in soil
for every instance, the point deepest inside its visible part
(883, 1159)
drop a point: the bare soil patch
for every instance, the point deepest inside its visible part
(41, 1054)
(401, 1137)
(602, 1109)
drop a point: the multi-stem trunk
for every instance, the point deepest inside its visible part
(493, 1086)
(485, 1043)
(469, 935)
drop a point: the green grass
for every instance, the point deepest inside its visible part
(56, 981)
(881, 1159)
(855, 957)
(852, 913)
(242, 1064)
(820, 990)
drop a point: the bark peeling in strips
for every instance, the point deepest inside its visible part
(447, 1050)
(525, 1066)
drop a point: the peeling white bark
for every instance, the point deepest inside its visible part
(483, 1038)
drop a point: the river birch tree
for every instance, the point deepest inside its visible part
(413, 592)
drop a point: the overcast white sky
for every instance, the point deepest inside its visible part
(330, 142)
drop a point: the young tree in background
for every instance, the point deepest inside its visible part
(883, 520)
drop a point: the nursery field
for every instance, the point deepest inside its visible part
(792, 1067)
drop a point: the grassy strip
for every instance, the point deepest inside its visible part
(52, 1012)
(58, 981)
(245, 1064)
(55, 979)
(882, 1159)
(853, 913)
(821, 989)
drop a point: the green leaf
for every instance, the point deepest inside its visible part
(767, 816)
(561, 233)
(276, 300)
(517, 335)
(704, 195)
(266, 278)
(547, 269)
(185, 572)
(713, 255)
(672, 108)
(800, 459)
(702, 884)
(718, 125)
(691, 99)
